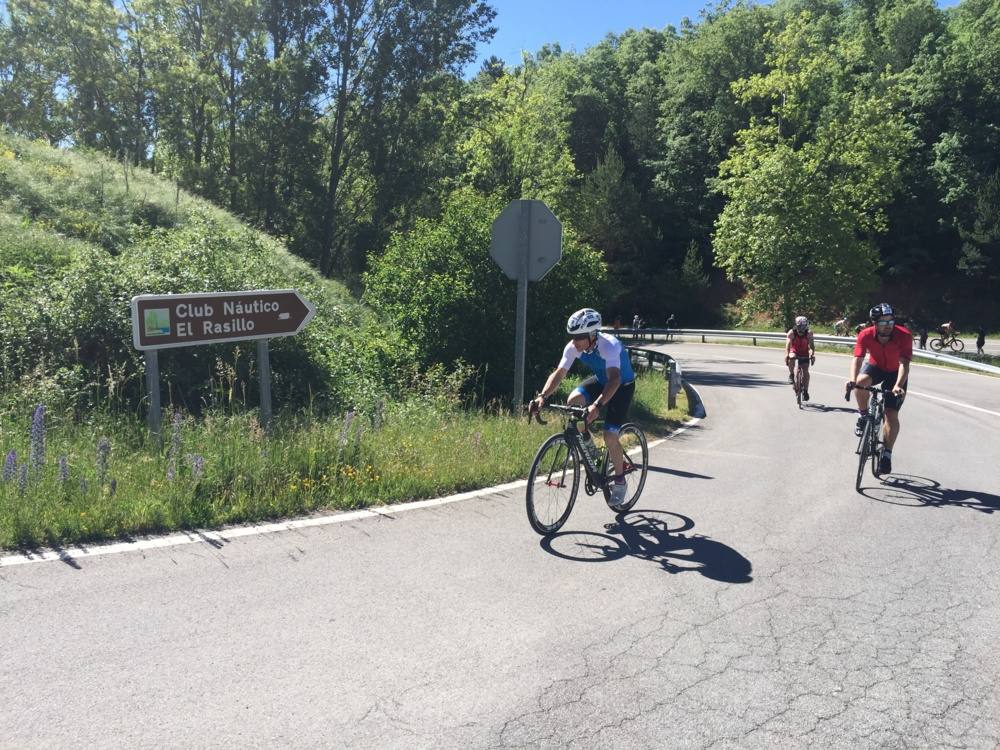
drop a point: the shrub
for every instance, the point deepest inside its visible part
(79, 323)
(439, 285)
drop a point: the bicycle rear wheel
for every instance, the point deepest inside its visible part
(864, 452)
(635, 455)
(937, 344)
(553, 482)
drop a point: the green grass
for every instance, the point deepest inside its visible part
(424, 448)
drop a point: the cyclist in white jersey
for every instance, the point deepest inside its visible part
(612, 384)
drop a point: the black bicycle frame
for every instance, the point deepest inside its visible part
(875, 416)
(596, 474)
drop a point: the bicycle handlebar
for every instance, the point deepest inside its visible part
(576, 412)
(852, 386)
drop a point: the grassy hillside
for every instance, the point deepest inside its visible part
(82, 234)
(356, 424)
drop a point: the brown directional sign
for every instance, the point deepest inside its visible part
(161, 321)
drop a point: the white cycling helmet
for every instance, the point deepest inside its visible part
(583, 321)
(802, 322)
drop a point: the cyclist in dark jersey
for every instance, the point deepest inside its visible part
(890, 349)
(611, 385)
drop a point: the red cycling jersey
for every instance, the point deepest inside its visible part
(799, 344)
(885, 356)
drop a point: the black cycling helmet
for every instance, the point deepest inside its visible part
(882, 308)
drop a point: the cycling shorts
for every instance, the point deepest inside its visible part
(887, 380)
(617, 407)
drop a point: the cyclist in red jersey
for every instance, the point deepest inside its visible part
(890, 349)
(799, 346)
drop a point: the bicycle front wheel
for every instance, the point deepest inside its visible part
(635, 455)
(957, 345)
(864, 452)
(553, 482)
(874, 452)
(937, 344)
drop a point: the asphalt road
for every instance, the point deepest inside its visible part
(752, 599)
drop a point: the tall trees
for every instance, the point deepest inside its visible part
(780, 129)
(700, 113)
(382, 55)
(808, 182)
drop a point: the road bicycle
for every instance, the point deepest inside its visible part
(554, 479)
(870, 442)
(951, 342)
(799, 378)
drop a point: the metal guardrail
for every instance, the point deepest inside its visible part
(707, 333)
(671, 369)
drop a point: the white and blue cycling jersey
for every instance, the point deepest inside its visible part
(608, 351)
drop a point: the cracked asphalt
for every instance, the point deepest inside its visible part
(752, 599)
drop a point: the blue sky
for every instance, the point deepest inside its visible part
(578, 24)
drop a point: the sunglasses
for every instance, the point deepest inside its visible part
(581, 337)
(888, 322)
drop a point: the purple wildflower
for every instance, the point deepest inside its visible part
(37, 456)
(9, 465)
(114, 486)
(197, 463)
(103, 453)
(83, 485)
(63, 469)
(22, 478)
(175, 447)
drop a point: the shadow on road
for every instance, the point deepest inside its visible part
(814, 406)
(730, 379)
(907, 489)
(65, 555)
(657, 536)
(678, 473)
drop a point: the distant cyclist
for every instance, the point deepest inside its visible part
(890, 349)
(611, 385)
(800, 347)
(840, 326)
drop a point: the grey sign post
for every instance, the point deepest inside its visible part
(164, 321)
(526, 242)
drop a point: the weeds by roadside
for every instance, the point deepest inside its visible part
(68, 483)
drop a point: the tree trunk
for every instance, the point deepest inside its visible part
(337, 145)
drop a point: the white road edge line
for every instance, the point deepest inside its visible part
(955, 403)
(193, 537)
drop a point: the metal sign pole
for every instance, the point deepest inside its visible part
(264, 364)
(153, 387)
(523, 243)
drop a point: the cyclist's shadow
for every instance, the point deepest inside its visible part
(657, 536)
(825, 408)
(909, 489)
